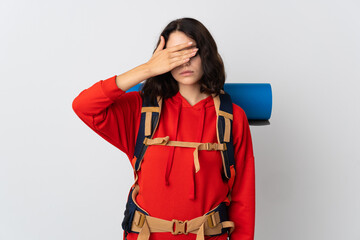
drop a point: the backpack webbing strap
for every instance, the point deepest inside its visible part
(150, 116)
(214, 222)
(223, 107)
(224, 112)
(198, 146)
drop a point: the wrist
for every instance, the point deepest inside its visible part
(146, 70)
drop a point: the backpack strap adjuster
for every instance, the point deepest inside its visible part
(211, 220)
(140, 219)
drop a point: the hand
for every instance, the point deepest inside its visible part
(164, 60)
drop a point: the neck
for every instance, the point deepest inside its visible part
(192, 93)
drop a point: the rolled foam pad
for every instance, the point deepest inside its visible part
(254, 98)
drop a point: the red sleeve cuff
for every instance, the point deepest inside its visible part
(110, 89)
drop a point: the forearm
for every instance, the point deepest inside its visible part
(127, 80)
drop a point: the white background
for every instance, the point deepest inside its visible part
(60, 180)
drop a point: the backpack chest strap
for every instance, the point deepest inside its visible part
(198, 146)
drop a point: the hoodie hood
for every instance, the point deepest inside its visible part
(199, 109)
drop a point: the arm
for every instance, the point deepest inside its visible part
(242, 207)
(112, 113)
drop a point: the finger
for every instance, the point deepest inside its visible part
(181, 46)
(183, 52)
(176, 61)
(180, 59)
(179, 62)
(161, 44)
(191, 54)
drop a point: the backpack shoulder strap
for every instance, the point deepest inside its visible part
(150, 116)
(224, 112)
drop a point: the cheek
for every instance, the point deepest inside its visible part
(174, 71)
(197, 63)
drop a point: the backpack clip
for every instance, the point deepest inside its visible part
(211, 146)
(180, 227)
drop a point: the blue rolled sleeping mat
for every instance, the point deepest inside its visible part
(254, 98)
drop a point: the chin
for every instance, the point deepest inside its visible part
(187, 80)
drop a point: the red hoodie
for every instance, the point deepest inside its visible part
(169, 187)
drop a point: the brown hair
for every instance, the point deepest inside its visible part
(213, 79)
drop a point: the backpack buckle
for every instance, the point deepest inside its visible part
(141, 219)
(211, 220)
(210, 146)
(180, 227)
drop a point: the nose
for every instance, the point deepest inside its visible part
(187, 63)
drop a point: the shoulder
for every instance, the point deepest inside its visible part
(239, 114)
(129, 103)
(131, 98)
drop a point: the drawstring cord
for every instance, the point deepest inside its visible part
(172, 150)
(196, 165)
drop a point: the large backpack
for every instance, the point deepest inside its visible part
(150, 116)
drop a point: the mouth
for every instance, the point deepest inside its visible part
(186, 72)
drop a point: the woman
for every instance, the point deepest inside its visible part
(186, 71)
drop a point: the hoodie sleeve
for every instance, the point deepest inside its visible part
(242, 207)
(111, 112)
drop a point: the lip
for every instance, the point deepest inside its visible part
(187, 72)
